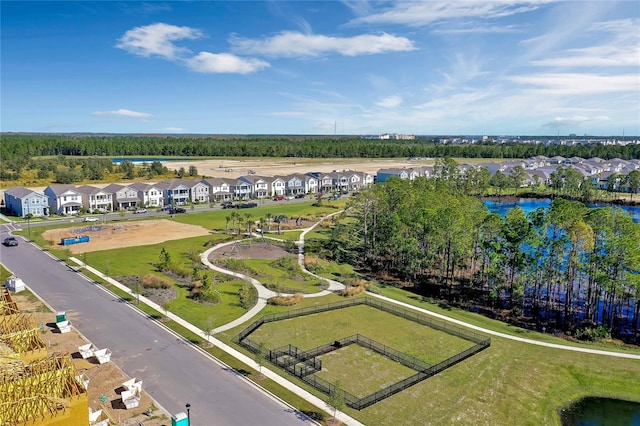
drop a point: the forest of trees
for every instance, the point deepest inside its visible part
(17, 147)
(568, 268)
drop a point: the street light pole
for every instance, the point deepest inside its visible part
(188, 407)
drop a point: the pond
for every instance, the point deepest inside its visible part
(529, 204)
(594, 411)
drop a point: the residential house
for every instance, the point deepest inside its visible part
(294, 184)
(277, 186)
(63, 199)
(22, 201)
(150, 195)
(239, 189)
(218, 189)
(96, 199)
(199, 191)
(124, 197)
(324, 181)
(175, 191)
(259, 186)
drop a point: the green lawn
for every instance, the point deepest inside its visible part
(277, 278)
(361, 371)
(411, 338)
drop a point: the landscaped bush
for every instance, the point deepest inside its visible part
(248, 296)
(355, 286)
(180, 270)
(287, 263)
(286, 300)
(152, 281)
(238, 266)
(593, 334)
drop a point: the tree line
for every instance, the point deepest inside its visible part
(568, 268)
(25, 146)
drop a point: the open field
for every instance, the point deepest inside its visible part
(233, 168)
(411, 338)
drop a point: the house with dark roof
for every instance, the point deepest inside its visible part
(22, 201)
(124, 197)
(149, 194)
(96, 199)
(64, 199)
(259, 185)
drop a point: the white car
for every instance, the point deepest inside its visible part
(90, 219)
(140, 211)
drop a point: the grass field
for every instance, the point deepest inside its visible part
(361, 371)
(411, 338)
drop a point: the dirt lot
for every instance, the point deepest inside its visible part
(105, 379)
(285, 166)
(258, 250)
(117, 235)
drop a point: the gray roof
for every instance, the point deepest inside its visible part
(19, 192)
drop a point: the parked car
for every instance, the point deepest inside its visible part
(140, 211)
(227, 205)
(278, 198)
(10, 242)
(90, 219)
(247, 205)
(178, 210)
(301, 195)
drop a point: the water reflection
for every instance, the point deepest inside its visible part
(593, 411)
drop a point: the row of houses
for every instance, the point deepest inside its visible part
(537, 169)
(71, 199)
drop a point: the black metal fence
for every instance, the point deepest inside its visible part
(304, 364)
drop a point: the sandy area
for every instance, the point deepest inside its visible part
(285, 166)
(129, 234)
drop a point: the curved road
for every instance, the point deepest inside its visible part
(174, 372)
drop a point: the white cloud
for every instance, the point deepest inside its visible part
(419, 13)
(206, 62)
(579, 84)
(296, 44)
(621, 48)
(122, 113)
(390, 101)
(157, 40)
(479, 29)
(172, 129)
(574, 121)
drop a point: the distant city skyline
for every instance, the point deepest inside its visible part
(320, 68)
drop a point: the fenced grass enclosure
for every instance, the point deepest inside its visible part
(306, 364)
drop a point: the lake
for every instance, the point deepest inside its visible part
(530, 204)
(594, 411)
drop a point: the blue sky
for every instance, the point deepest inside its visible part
(306, 67)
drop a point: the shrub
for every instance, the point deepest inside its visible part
(152, 281)
(248, 296)
(593, 334)
(286, 300)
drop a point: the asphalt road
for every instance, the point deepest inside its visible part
(173, 372)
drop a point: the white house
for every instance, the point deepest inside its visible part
(63, 199)
(150, 195)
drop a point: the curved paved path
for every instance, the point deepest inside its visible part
(264, 293)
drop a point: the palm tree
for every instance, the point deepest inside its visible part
(279, 219)
(228, 219)
(269, 217)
